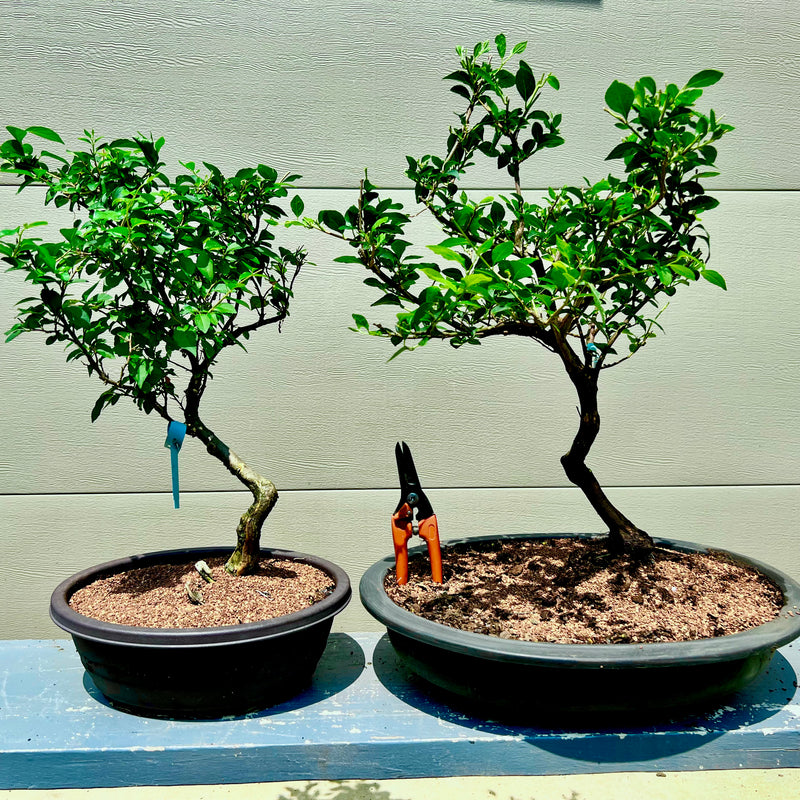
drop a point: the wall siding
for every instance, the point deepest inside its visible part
(352, 529)
(697, 431)
(328, 88)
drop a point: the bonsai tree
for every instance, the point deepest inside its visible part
(584, 273)
(155, 278)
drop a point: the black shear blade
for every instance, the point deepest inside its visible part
(410, 489)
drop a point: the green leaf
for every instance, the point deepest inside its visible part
(714, 277)
(706, 77)
(649, 116)
(437, 276)
(497, 212)
(560, 277)
(648, 83)
(17, 133)
(619, 98)
(388, 300)
(487, 245)
(525, 81)
(500, 44)
(205, 266)
(149, 151)
(269, 174)
(433, 274)
(459, 75)
(454, 241)
(598, 301)
(505, 79)
(142, 371)
(521, 268)
(554, 82)
(398, 352)
(476, 279)
(124, 144)
(45, 133)
(621, 150)
(502, 251)
(331, 219)
(297, 205)
(446, 253)
(683, 270)
(203, 322)
(461, 91)
(100, 404)
(702, 203)
(518, 49)
(361, 322)
(185, 338)
(709, 153)
(688, 97)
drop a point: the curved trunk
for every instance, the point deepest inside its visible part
(244, 558)
(624, 536)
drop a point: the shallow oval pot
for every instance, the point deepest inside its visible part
(200, 673)
(584, 684)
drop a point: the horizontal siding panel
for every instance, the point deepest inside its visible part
(45, 539)
(318, 407)
(326, 89)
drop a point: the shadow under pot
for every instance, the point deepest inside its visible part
(580, 684)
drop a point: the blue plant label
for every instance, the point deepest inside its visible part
(175, 433)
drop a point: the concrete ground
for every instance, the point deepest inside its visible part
(770, 784)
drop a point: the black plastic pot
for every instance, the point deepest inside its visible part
(587, 684)
(200, 673)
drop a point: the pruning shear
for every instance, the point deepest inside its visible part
(413, 502)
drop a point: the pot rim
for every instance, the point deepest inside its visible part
(114, 633)
(768, 636)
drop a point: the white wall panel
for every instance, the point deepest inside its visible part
(709, 402)
(699, 428)
(64, 534)
(326, 89)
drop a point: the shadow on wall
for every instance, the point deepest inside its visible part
(343, 791)
(357, 790)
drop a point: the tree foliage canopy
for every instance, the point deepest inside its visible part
(157, 275)
(584, 271)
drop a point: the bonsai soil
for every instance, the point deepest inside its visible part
(157, 596)
(574, 591)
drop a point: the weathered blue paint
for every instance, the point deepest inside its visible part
(362, 718)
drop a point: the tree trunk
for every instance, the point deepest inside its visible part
(244, 558)
(624, 536)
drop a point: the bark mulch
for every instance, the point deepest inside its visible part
(575, 591)
(157, 596)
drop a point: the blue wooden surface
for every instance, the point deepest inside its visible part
(362, 718)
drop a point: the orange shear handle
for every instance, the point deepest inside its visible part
(429, 531)
(402, 530)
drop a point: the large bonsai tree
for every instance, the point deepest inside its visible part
(584, 272)
(155, 278)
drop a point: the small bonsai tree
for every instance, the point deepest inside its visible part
(582, 273)
(155, 278)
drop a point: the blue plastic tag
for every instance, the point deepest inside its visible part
(175, 433)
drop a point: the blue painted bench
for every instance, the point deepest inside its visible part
(363, 717)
